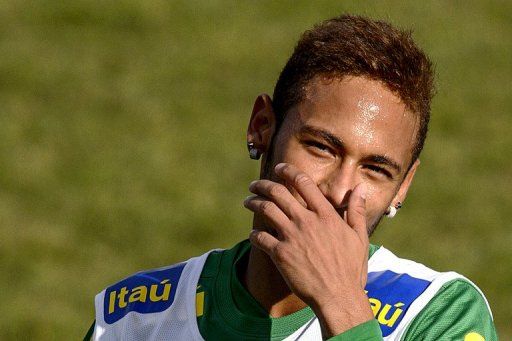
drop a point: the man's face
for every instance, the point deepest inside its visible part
(346, 132)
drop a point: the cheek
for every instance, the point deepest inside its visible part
(371, 192)
(294, 153)
(376, 201)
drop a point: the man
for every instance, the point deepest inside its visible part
(340, 142)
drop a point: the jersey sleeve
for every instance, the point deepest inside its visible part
(457, 312)
(367, 331)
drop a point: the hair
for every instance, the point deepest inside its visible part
(351, 45)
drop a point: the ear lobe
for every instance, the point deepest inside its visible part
(406, 183)
(262, 123)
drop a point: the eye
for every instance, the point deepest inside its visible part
(378, 170)
(319, 146)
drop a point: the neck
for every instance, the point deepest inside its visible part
(264, 282)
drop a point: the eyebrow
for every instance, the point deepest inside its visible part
(381, 159)
(332, 139)
(338, 143)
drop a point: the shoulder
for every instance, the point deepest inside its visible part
(459, 310)
(384, 260)
(403, 292)
(396, 287)
(386, 269)
(150, 303)
(149, 291)
(144, 292)
(400, 282)
(462, 292)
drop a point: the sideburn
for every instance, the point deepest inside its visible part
(268, 158)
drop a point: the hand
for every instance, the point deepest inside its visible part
(322, 258)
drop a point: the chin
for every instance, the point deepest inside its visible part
(373, 226)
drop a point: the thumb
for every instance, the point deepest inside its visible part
(356, 212)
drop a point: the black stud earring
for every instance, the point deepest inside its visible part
(254, 153)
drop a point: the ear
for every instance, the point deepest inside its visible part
(404, 187)
(262, 124)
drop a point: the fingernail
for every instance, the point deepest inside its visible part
(246, 200)
(279, 166)
(362, 191)
(251, 185)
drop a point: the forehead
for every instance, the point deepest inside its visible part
(363, 113)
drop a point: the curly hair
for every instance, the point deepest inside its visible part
(351, 45)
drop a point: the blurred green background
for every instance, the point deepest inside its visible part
(122, 142)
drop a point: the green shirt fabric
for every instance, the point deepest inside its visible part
(457, 312)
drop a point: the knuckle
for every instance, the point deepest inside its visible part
(329, 216)
(260, 238)
(306, 219)
(360, 210)
(281, 254)
(286, 168)
(265, 207)
(302, 179)
(277, 190)
(325, 218)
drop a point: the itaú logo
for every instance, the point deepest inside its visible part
(390, 295)
(145, 292)
(386, 314)
(138, 294)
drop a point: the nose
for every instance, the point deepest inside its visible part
(337, 184)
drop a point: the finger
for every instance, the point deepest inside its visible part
(356, 211)
(278, 194)
(273, 214)
(264, 241)
(303, 184)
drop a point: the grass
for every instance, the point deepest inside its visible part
(122, 142)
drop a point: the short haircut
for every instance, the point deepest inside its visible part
(351, 45)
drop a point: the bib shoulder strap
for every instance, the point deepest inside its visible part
(398, 289)
(148, 303)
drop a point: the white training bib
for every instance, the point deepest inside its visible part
(160, 304)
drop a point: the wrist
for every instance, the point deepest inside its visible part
(339, 314)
